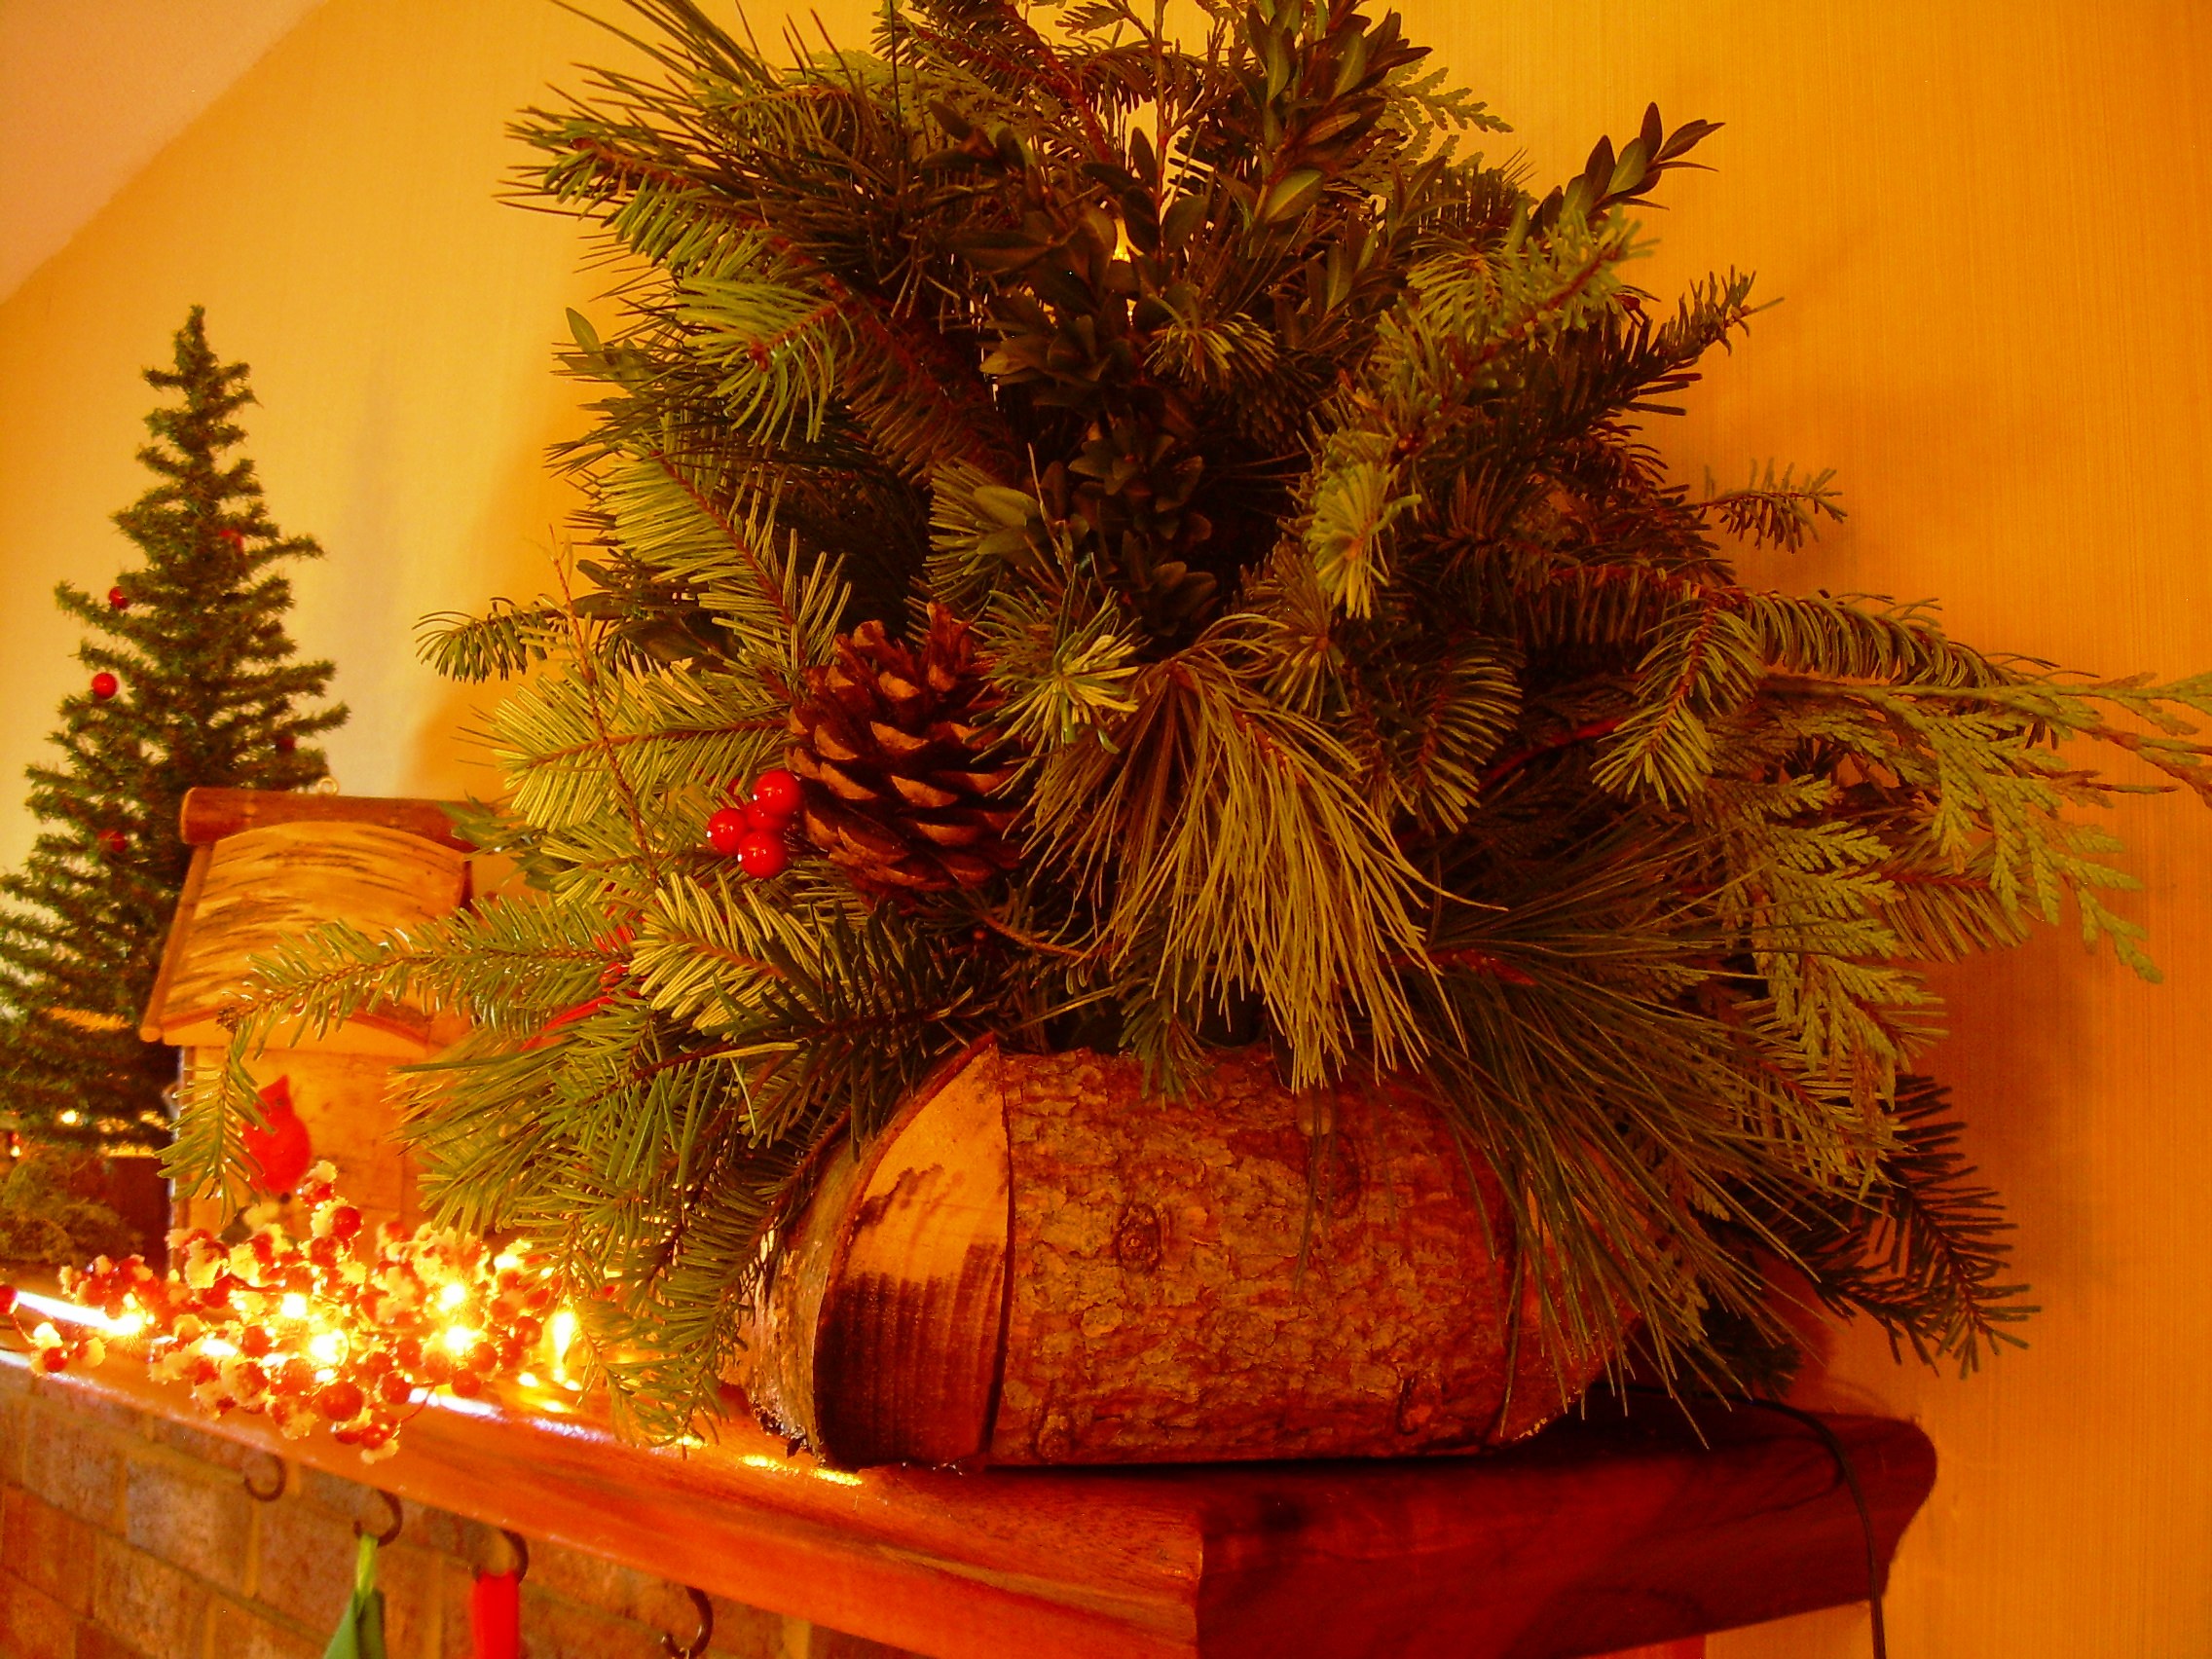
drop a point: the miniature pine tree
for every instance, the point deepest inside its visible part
(190, 682)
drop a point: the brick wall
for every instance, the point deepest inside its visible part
(128, 1536)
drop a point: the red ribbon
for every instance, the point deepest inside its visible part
(494, 1615)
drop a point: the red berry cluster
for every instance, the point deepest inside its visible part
(757, 834)
(337, 1330)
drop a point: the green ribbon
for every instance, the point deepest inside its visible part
(360, 1633)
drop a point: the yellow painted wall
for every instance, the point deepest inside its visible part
(333, 211)
(1992, 224)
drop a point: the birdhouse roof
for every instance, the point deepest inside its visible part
(282, 876)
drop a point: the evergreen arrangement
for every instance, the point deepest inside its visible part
(1116, 543)
(191, 682)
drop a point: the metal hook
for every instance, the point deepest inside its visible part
(276, 1487)
(698, 1643)
(390, 1533)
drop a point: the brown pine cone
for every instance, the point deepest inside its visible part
(897, 775)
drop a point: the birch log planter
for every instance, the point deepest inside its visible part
(1036, 1263)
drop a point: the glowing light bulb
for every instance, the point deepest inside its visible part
(460, 1339)
(294, 1306)
(506, 1261)
(325, 1348)
(128, 1325)
(72, 1116)
(217, 1349)
(560, 1332)
(454, 1294)
(528, 1378)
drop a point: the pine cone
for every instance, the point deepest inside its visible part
(897, 775)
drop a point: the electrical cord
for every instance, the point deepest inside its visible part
(1850, 1472)
(1836, 1450)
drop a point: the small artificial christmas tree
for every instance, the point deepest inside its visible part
(1107, 545)
(190, 682)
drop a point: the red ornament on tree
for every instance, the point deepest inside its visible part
(727, 830)
(763, 855)
(280, 1152)
(286, 743)
(117, 600)
(114, 842)
(105, 685)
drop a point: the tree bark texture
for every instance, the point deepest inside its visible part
(1039, 1262)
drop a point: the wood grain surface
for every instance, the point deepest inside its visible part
(912, 1331)
(341, 1100)
(1592, 1536)
(211, 814)
(259, 887)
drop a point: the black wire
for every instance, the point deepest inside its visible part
(1844, 1466)
(1850, 1473)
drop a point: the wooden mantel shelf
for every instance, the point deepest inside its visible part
(1588, 1538)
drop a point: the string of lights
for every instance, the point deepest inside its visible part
(349, 1329)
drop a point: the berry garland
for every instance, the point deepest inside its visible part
(339, 1330)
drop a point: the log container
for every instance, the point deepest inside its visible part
(1038, 1262)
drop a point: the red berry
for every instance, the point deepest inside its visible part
(345, 1223)
(763, 855)
(117, 600)
(395, 1390)
(483, 1357)
(466, 1384)
(286, 743)
(114, 842)
(726, 830)
(340, 1401)
(298, 1375)
(775, 795)
(408, 1351)
(53, 1359)
(7, 1299)
(105, 685)
(254, 1341)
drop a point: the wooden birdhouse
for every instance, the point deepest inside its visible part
(270, 866)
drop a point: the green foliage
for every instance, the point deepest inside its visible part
(51, 1211)
(1378, 695)
(209, 695)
